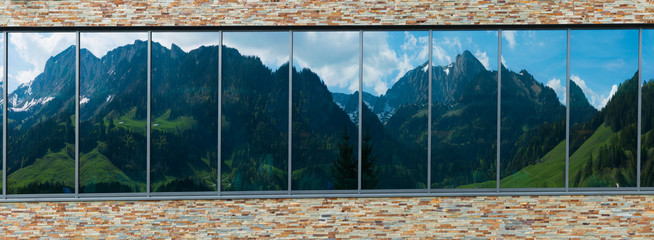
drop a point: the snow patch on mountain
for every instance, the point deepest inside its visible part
(84, 100)
(34, 102)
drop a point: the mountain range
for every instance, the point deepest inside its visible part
(255, 115)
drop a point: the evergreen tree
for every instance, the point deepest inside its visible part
(370, 173)
(345, 167)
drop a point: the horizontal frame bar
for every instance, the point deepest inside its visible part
(85, 198)
(329, 27)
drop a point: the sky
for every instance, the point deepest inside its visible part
(273, 48)
(648, 55)
(334, 56)
(28, 53)
(101, 43)
(448, 44)
(542, 53)
(602, 59)
(187, 41)
(387, 56)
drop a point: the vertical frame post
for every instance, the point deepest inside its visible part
(219, 154)
(149, 113)
(567, 112)
(640, 106)
(77, 97)
(499, 107)
(4, 114)
(290, 114)
(429, 98)
(359, 168)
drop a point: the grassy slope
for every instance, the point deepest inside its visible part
(579, 158)
(96, 168)
(548, 173)
(551, 171)
(53, 167)
(181, 123)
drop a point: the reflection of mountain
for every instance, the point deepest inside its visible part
(324, 150)
(43, 111)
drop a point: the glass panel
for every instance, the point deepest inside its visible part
(533, 109)
(395, 110)
(255, 111)
(41, 116)
(325, 110)
(647, 122)
(603, 108)
(113, 90)
(464, 110)
(184, 111)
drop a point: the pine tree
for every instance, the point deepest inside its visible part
(370, 173)
(345, 167)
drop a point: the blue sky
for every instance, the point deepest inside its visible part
(602, 59)
(448, 44)
(28, 53)
(273, 48)
(387, 56)
(542, 53)
(648, 55)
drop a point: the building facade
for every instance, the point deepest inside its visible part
(603, 193)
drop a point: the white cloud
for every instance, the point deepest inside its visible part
(440, 57)
(509, 36)
(384, 65)
(614, 89)
(187, 41)
(558, 88)
(483, 58)
(597, 100)
(273, 48)
(33, 50)
(101, 43)
(334, 56)
(441, 47)
(504, 62)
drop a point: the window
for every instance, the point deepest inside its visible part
(184, 127)
(188, 112)
(325, 110)
(533, 110)
(464, 109)
(255, 111)
(395, 110)
(113, 112)
(603, 108)
(41, 113)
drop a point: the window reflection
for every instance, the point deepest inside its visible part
(41, 133)
(113, 112)
(603, 108)
(184, 127)
(255, 111)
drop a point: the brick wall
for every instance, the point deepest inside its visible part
(434, 217)
(207, 12)
(439, 217)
